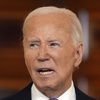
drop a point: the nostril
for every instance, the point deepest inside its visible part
(43, 59)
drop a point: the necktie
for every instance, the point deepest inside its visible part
(53, 99)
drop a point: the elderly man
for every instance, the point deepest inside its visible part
(53, 49)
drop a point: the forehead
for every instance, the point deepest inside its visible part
(57, 19)
(58, 24)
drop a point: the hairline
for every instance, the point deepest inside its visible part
(75, 23)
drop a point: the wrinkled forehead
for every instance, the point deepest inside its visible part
(60, 20)
(48, 27)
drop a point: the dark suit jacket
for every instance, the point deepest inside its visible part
(25, 94)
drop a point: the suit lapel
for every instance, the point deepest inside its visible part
(25, 94)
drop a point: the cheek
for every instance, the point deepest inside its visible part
(28, 62)
(29, 58)
(29, 55)
(66, 60)
(66, 67)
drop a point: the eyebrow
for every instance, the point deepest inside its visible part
(51, 40)
(55, 40)
(34, 41)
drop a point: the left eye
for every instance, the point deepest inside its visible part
(54, 45)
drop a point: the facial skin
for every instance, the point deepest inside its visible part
(50, 55)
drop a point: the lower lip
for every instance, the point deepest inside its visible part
(46, 73)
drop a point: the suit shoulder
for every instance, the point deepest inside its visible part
(82, 96)
(24, 94)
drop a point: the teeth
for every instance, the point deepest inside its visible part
(46, 73)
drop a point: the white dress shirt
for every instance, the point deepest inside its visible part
(68, 95)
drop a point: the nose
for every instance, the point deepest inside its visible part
(43, 54)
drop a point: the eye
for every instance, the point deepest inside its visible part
(34, 45)
(54, 45)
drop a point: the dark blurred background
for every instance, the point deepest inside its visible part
(13, 73)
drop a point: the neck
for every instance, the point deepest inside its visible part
(55, 93)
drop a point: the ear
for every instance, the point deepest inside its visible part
(78, 55)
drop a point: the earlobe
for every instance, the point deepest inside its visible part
(78, 55)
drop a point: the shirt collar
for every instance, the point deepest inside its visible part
(36, 94)
(68, 95)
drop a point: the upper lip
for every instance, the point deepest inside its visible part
(44, 69)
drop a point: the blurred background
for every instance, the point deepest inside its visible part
(13, 73)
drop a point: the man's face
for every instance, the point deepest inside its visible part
(49, 52)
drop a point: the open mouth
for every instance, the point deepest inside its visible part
(45, 71)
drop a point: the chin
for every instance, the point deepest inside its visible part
(46, 86)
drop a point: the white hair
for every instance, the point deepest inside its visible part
(75, 23)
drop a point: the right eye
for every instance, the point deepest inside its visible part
(34, 45)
